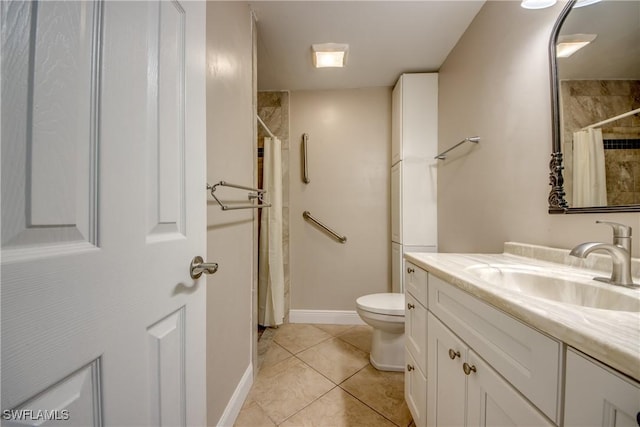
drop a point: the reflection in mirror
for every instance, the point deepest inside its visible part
(597, 115)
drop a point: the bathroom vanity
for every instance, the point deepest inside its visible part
(520, 338)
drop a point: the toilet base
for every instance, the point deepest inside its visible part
(387, 351)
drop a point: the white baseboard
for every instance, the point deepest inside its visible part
(232, 410)
(333, 317)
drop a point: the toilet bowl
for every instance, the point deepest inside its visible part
(385, 313)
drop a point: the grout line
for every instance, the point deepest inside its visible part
(369, 406)
(306, 406)
(295, 355)
(266, 414)
(314, 369)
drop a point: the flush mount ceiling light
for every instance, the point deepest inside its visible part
(329, 54)
(569, 44)
(537, 4)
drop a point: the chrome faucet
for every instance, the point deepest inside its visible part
(620, 251)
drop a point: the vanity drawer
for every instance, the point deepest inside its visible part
(415, 330)
(415, 281)
(528, 359)
(415, 391)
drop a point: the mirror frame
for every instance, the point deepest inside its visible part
(557, 202)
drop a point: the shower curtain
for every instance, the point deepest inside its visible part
(589, 180)
(271, 267)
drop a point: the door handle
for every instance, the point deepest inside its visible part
(198, 266)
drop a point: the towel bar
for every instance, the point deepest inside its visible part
(257, 195)
(443, 156)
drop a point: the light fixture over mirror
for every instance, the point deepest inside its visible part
(571, 43)
(595, 163)
(582, 3)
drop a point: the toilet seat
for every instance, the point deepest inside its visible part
(390, 304)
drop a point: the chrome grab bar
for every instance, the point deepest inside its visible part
(443, 156)
(307, 215)
(257, 195)
(305, 161)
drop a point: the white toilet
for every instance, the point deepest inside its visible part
(385, 313)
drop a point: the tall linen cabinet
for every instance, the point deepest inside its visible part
(414, 144)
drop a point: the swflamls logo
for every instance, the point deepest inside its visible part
(35, 415)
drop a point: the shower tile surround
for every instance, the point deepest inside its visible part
(320, 375)
(273, 109)
(584, 102)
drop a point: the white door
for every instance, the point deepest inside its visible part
(446, 382)
(492, 401)
(103, 208)
(615, 402)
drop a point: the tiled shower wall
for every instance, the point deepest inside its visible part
(585, 102)
(273, 109)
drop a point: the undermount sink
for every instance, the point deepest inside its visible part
(559, 286)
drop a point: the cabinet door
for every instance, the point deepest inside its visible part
(446, 381)
(597, 396)
(397, 271)
(415, 282)
(491, 401)
(415, 391)
(419, 211)
(396, 203)
(415, 330)
(396, 123)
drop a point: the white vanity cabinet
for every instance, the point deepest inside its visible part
(463, 390)
(595, 395)
(485, 367)
(415, 384)
(526, 358)
(481, 367)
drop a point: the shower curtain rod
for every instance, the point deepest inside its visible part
(613, 119)
(265, 127)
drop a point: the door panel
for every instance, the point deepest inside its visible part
(446, 394)
(396, 203)
(166, 121)
(615, 402)
(104, 110)
(166, 367)
(78, 394)
(50, 56)
(494, 402)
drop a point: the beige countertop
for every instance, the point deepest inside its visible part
(613, 337)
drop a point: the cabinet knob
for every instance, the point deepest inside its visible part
(410, 270)
(638, 418)
(410, 306)
(410, 368)
(453, 354)
(468, 368)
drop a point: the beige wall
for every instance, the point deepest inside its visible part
(230, 157)
(495, 84)
(349, 149)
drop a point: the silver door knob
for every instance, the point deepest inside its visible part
(198, 266)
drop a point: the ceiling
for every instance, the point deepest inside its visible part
(386, 39)
(615, 53)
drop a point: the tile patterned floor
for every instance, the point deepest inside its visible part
(320, 376)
